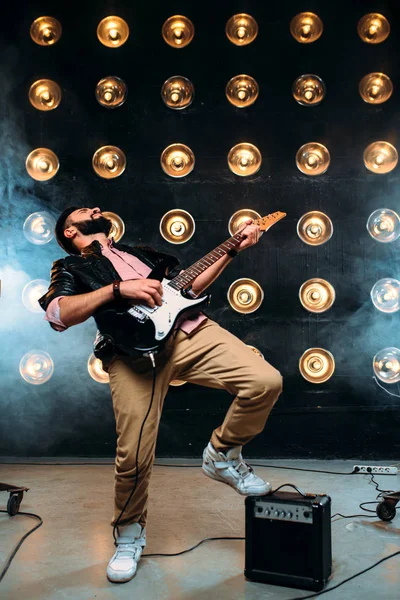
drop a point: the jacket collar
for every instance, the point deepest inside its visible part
(95, 248)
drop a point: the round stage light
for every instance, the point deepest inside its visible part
(45, 94)
(177, 226)
(317, 295)
(242, 91)
(178, 31)
(31, 293)
(42, 164)
(256, 351)
(375, 88)
(241, 29)
(386, 365)
(309, 90)
(45, 31)
(112, 32)
(317, 365)
(244, 159)
(177, 160)
(39, 227)
(384, 225)
(380, 157)
(177, 92)
(118, 226)
(245, 295)
(111, 92)
(96, 371)
(314, 228)
(313, 159)
(306, 27)
(385, 295)
(373, 28)
(109, 162)
(177, 382)
(239, 218)
(36, 367)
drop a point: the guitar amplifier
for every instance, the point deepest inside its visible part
(288, 540)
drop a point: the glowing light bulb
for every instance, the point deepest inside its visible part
(31, 293)
(177, 228)
(96, 371)
(384, 225)
(36, 367)
(39, 228)
(386, 365)
(385, 295)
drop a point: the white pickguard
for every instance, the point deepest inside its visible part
(164, 317)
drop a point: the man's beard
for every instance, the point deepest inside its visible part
(91, 226)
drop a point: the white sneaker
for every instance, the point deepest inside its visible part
(230, 468)
(131, 540)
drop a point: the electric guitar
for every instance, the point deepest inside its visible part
(139, 329)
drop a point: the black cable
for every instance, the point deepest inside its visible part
(18, 546)
(325, 591)
(212, 539)
(137, 451)
(353, 516)
(269, 467)
(353, 472)
(381, 492)
(177, 466)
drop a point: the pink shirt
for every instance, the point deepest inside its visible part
(127, 267)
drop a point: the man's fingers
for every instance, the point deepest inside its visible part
(148, 299)
(155, 284)
(156, 297)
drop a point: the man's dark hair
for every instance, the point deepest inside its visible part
(65, 243)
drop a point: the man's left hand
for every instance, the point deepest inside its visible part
(250, 235)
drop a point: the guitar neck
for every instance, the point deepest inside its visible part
(186, 277)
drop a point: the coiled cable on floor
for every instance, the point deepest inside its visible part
(21, 541)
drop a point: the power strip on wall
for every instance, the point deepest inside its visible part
(369, 469)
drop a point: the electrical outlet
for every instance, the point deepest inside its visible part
(374, 470)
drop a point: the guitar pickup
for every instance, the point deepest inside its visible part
(138, 314)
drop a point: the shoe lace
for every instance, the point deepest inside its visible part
(126, 551)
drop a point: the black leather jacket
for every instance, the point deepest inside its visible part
(91, 270)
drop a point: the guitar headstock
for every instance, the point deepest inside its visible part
(269, 220)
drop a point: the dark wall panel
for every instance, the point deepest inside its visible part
(347, 416)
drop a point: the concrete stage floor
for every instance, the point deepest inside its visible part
(67, 557)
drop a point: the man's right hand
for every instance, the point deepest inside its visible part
(148, 291)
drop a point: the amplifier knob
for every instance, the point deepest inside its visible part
(276, 513)
(259, 509)
(306, 514)
(267, 512)
(289, 515)
(283, 514)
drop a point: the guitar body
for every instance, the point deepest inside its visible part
(139, 329)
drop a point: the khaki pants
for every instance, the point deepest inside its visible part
(210, 356)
